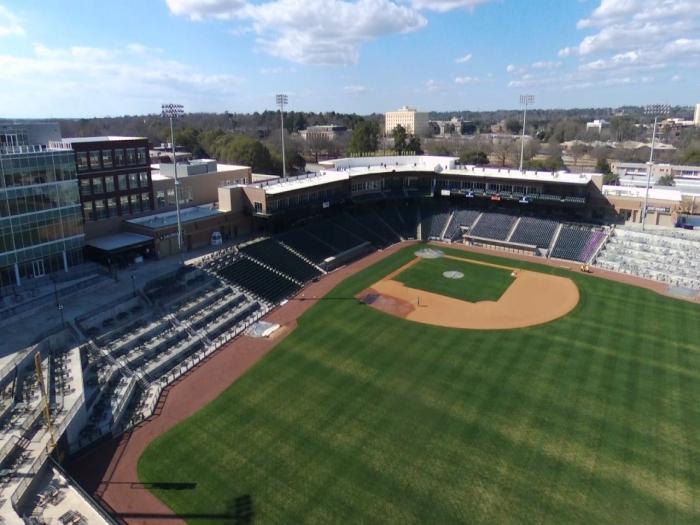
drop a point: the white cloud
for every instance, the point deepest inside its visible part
(467, 80)
(464, 59)
(356, 89)
(510, 68)
(310, 31)
(676, 78)
(9, 23)
(447, 5)
(201, 9)
(545, 64)
(107, 76)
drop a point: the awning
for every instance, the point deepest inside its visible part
(119, 242)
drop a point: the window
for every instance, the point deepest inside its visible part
(130, 156)
(258, 207)
(100, 210)
(85, 187)
(141, 156)
(95, 160)
(107, 158)
(81, 160)
(118, 157)
(97, 185)
(121, 182)
(88, 212)
(133, 180)
(124, 205)
(109, 184)
(112, 207)
(145, 202)
(144, 179)
(160, 199)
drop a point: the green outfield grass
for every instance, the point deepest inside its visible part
(480, 283)
(361, 417)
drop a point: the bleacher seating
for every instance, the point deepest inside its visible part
(334, 236)
(577, 243)
(534, 231)
(359, 230)
(307, 245)
(272, 253)
(408, 217)
(494, 225)
(669, 257)
(390, 215)
(432, 223)
(372, 221)
(265, 283)
(460, 218)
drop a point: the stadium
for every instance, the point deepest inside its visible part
(400, 340)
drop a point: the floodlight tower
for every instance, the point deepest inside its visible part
(656, 110)
(525, 100)
(173, 111)
(282, 100)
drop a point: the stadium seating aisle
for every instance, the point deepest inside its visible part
(460, 218)
(313, 249)
(271, 286)
(272, 253)
(534, 231)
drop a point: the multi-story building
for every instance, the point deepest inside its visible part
(41, 224)
(414, 122)
(325, 132)
(696, 117)
(199, 182)
(28, 132)
(114, 174)
(597, 125)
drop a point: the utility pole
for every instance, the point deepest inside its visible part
(172, 111)
(282, 101)
(656, 110)
(525, 100)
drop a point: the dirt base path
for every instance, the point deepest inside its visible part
(108, 471)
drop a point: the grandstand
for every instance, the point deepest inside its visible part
(674, 260)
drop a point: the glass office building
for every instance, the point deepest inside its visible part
(41, 224)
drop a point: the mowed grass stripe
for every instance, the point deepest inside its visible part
(359, 416)
(480, 282)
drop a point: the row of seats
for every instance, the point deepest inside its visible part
(272, 253)
(577, 243)
(534, 231)
(304, 243)
(265, 283)
(494, 225)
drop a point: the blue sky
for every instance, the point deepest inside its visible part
(81, 58)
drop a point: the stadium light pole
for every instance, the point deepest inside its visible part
(173, 111)
(282, 100)
(525, 100)
(656, 110)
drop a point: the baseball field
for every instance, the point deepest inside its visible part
(364, 416)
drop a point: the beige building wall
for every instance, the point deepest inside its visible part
(696, 119)
(415, 122)
(196, 189)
